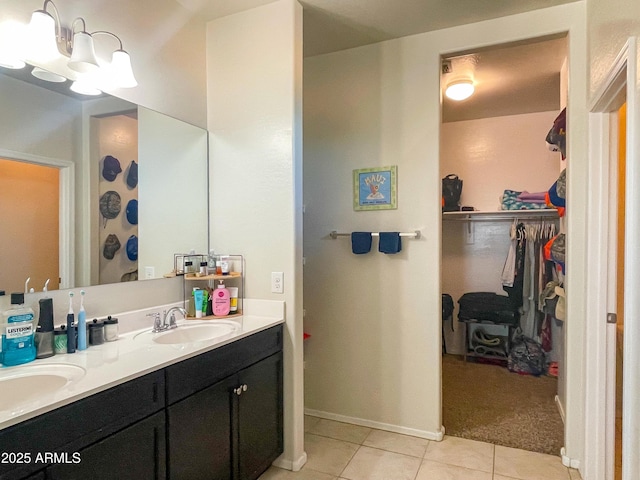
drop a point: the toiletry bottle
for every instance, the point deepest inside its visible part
(211, 265)
(188, 267)
(224, 264)
(191, 306)
(82, 324)
(209, 311)
(44, 333)
(205, 300)
(18, 333)
(71, 328)
(198, 296)
(221, 304)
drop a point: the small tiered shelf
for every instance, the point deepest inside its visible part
(235, 278)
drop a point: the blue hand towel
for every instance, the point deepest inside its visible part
(389, 242)
(360, 242)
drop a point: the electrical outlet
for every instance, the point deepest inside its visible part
(149, 272)
(277, 282)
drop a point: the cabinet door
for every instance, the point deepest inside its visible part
(200, 434)
(259, 428)
(134, 453)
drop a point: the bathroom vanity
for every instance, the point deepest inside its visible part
(206, 412)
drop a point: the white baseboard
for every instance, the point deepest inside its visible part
(437, 436)
(293, 465)
(569, 462)
(560, 408)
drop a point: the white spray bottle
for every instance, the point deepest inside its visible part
(82, 324)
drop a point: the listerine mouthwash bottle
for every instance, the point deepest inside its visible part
(17, 333)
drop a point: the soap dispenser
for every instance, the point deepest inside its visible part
(44, 333)
(221, 301)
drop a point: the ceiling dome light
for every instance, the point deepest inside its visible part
(460, 90)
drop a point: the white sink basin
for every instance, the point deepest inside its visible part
(24, 384)
(191, 332)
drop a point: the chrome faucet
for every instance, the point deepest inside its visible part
(169, 320)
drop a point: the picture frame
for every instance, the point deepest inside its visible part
(375, 188)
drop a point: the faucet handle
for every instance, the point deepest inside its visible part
(156, 320)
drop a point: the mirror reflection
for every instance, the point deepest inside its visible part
(94, 190)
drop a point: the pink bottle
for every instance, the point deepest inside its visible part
(221, 301)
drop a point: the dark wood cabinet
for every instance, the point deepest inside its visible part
(230, 428)
(68, 430)
(258, 433)
(137, 452)
(215, 416)
(199, 432)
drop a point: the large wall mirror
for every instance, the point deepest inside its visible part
(94, 190)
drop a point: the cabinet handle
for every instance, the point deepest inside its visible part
(238, 391)
(244, 387)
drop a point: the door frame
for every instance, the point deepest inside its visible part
(66, 209)
(620, 84)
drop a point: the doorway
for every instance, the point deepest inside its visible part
(494, 145)
(601, 347)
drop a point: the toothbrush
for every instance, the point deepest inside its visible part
(71, 331)
(82, 324)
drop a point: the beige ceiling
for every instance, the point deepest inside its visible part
(509, 79)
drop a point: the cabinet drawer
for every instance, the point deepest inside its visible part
(72, 427)
(195, 374)
(135, 453)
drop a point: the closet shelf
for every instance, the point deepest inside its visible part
(506, 215)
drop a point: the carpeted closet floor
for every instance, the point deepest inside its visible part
(491, 404)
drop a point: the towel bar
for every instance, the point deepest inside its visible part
(415, 234)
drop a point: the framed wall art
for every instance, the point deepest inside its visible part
(375, 188)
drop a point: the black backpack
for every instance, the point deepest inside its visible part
(451, 191)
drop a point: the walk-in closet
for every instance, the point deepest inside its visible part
(502, 159)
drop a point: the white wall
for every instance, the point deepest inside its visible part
(372, 322)
(491, 155)
(375, 320)
(610, 23)
(254, 66)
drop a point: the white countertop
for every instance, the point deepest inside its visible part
(113, 363)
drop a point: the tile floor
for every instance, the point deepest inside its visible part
(343, 451)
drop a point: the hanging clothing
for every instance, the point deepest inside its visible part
(515, 291)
